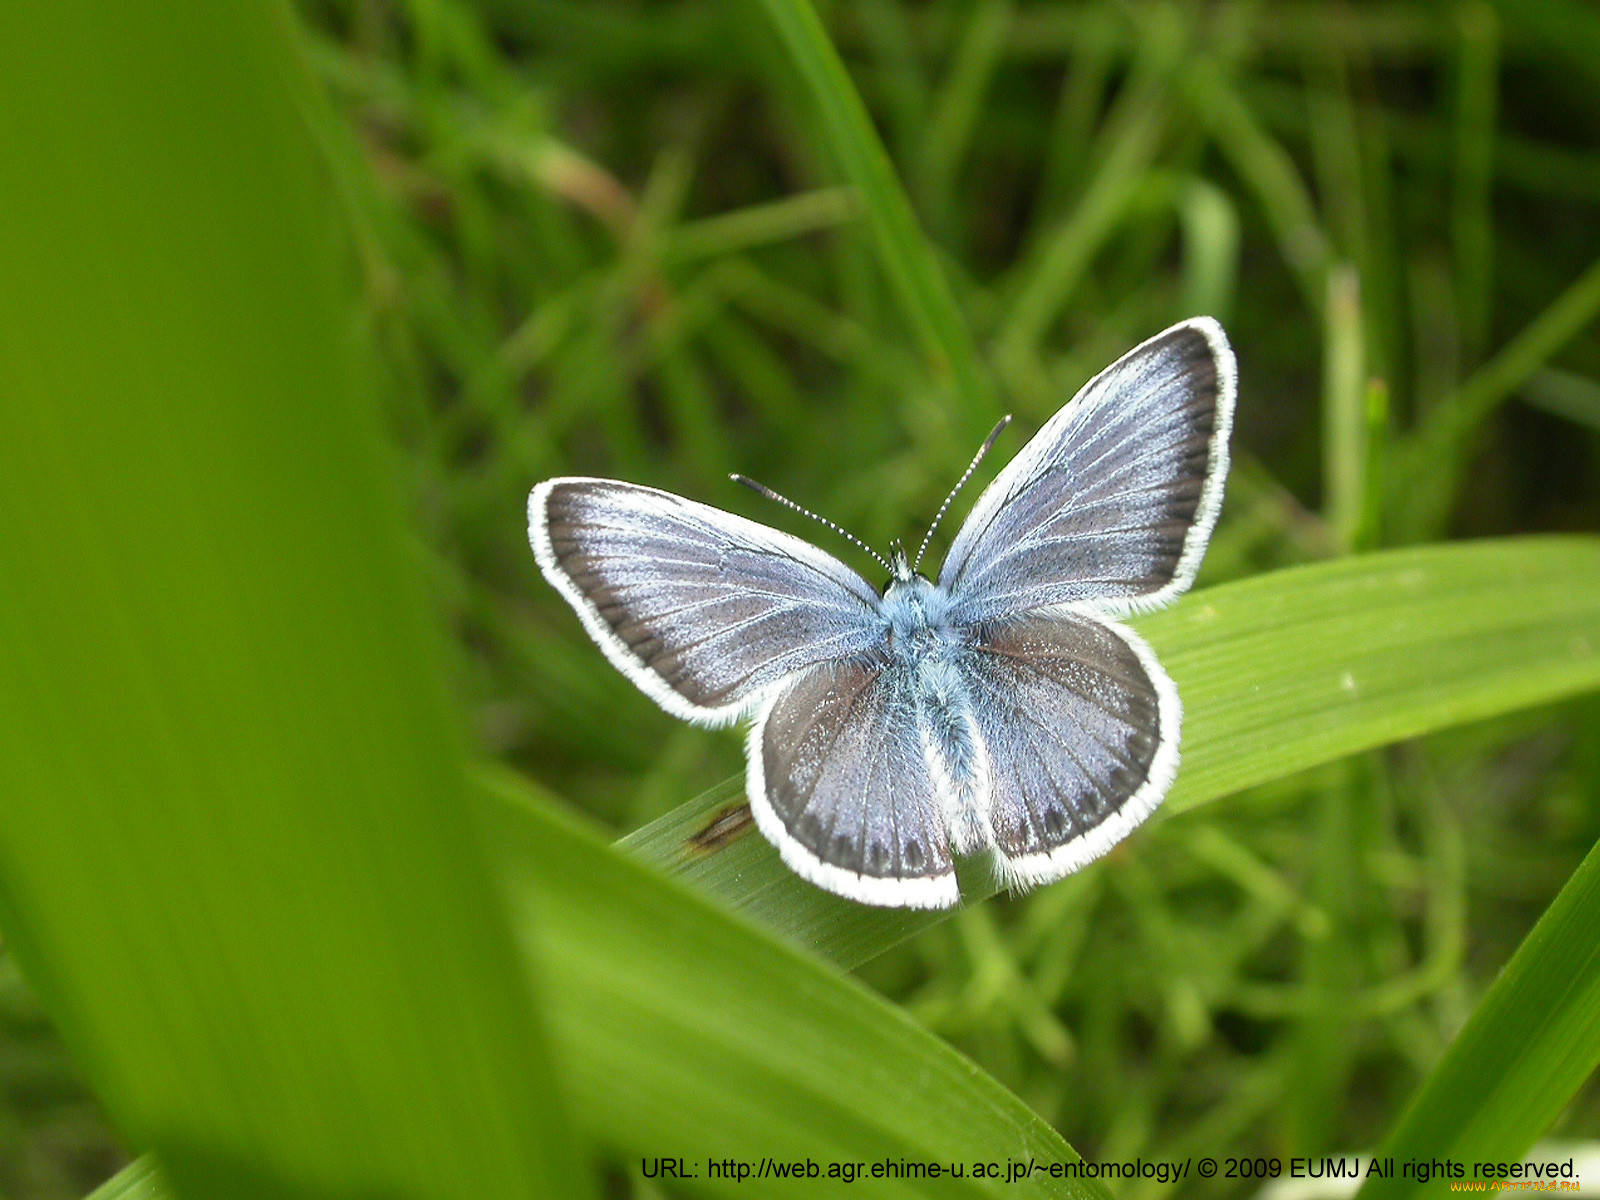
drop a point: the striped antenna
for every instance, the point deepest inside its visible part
(762, 489)
(965, 475)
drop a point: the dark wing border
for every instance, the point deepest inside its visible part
(1210, 506)
(925, 892)
(617, 651)
(1021, 472)
(1032, 870)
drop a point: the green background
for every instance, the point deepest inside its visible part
(307, 779)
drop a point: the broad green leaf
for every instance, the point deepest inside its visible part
(687, 1032)
(1277, 673)
(236, 855)
(1531, 1043)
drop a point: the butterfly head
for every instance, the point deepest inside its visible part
(910, 600)
(900, 570)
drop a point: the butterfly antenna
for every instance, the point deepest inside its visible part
(988, 442)
(762, 489)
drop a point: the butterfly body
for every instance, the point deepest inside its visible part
(926, 657)
(1002, 706)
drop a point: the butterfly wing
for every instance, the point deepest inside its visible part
(840, 780)
(1080, 729)
(1112, 502)
(704, 610)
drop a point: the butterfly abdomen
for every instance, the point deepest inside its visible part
(954, 752)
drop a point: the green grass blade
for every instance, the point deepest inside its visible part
(1277, 673)
(904, 252)
(1344, 407)
(1471, 219)
(1530, 1044)
(1091, 60)
(236, 858)
(1336, 155)
(1564, 394)
(760, 224)
(1210, 250)
(955, 113)
(139, 1180)
(904, 92)
(1434, 458)
(1054, 269)
(1268, 170)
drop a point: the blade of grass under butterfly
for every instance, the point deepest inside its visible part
(1277, 673)
(790, 1060)
(1530, 1044)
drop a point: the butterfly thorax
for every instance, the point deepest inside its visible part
(915, 613)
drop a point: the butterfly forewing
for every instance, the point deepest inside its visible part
(840, 781)
(703, 609)
(1112, 502)
(1080, 726)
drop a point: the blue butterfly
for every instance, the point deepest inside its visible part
(1003, 707)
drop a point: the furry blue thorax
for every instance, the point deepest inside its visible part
(916, 615)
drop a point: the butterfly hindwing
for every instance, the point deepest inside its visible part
(1080, 731)
(1112, 502)
(839, 780)
(703, 609)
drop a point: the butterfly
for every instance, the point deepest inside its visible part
(1002, 707)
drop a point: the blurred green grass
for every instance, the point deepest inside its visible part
(600, 237)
